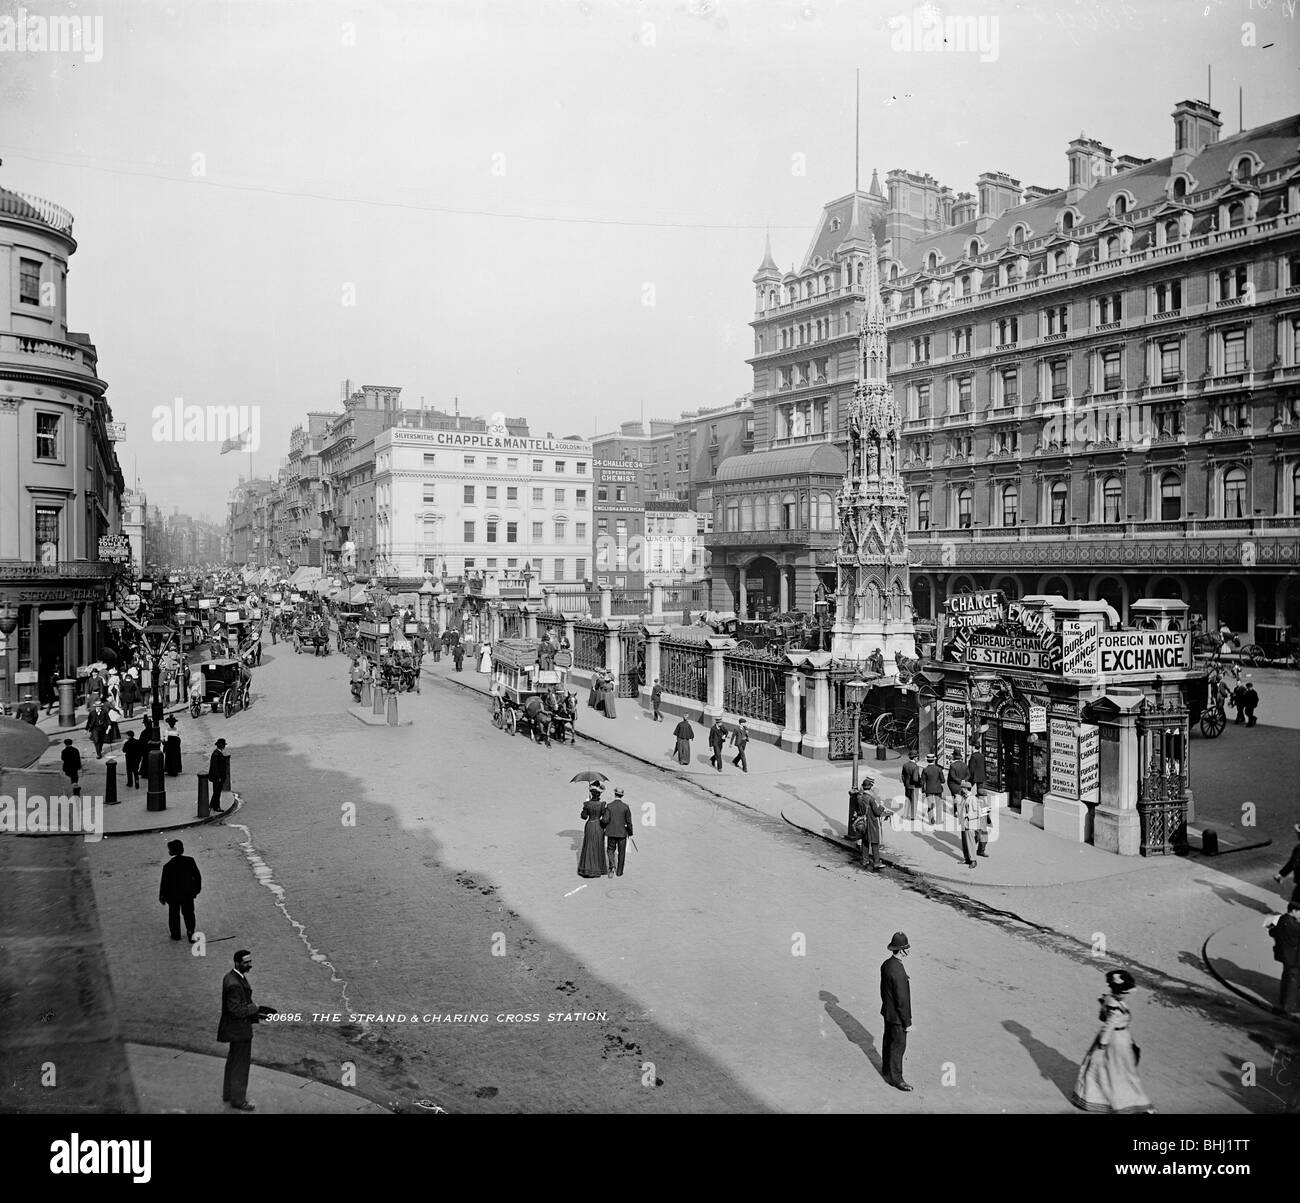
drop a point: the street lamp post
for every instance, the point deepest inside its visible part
(857, 693)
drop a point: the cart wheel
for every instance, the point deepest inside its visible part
(227, 703)
(1253, 654)
(512, 723)
(883, 730)
(196, 707)
(1213, 723)
(248, 699)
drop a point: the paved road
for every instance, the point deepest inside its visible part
(431, 869)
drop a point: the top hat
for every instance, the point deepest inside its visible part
(929, 756)
(899, 942)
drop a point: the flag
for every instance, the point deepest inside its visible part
(238, 442)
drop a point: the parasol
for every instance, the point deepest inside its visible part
(590, 775)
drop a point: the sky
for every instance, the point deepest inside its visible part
(553, 209)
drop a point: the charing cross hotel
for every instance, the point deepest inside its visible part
(1099, 384)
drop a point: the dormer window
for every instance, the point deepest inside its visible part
(932, 261)
(1018, 235)
(1180, 188)
(1067, 220)
(836, 223)
(1243, 168)
(1119, 206)
(973, 248)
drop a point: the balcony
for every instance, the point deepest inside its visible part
(31, 352)
(798, 440)
(18, 570)
(23, 204)
(772, 538)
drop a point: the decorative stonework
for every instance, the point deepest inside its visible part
(873, 592)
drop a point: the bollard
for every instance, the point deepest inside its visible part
(110, 782)
(392, 709)
(880, 751)
(379, 700)
(1210, 842)
(67, 702)
(157, 797)
(204, 809)
(365, 693)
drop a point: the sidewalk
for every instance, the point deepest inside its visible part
(812, 795)
(172, 1081)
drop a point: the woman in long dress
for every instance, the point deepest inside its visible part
(593, 695)
(591, 860)
(1108, 1078)
(609, 708)
(172, 749)
(683, 733)
(485, 658)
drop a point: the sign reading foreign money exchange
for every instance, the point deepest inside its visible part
(1088, 651)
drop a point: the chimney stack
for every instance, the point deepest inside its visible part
(1196, 126)
(998, 192)
(1090, 162)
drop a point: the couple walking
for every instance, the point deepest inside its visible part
(605, 834)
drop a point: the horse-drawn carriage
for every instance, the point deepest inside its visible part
(527, 697)
(312, 633)
(227, 686)
(397, 668)
(1203, 707)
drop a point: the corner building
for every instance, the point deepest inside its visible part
(1100, 385)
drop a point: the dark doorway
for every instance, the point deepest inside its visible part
(1232, 605)
(52, 654)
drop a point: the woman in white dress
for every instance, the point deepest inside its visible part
(485, 658)
(1108, 1078)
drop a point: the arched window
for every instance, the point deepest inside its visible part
(973, 247)
(825, 512)
(746, 513)
(1171, 497)
(1112, 496)
(1244, 167)
(1120, 206)
(1018, 235)
(1067, 220)
(1058, 494)
(932, 260)
(965, 285)
(1171, 231)
(964, 508)
(893, 272)
(1010, 505)
(760, 514)
(789, 518)
(1236, 215)
(1234, 493)
(923, 509)
(1180, 188)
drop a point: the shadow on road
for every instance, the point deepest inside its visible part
(851, 1028)
(1052, 1065)
(1228, 894)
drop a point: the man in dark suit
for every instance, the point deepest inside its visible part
(911, 781)
(458, 654)
(238, 1014)
(1292, 867)
(218, 773)
(717, 741)
(618, 830)
(932, 783)
(132, 750)
(180, 886)
(896, 1008)
(72, 764)
(1286, 949)
(740, 741)
(958, 775)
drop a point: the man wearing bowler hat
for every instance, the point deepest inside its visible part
(896, 1008)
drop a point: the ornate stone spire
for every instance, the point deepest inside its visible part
(873, 598)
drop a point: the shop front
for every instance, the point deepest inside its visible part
(56, 625)
(1084, 725)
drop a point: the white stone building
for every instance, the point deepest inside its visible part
(471, 502)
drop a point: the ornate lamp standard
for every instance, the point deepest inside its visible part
(8, 624)
(855, 693)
